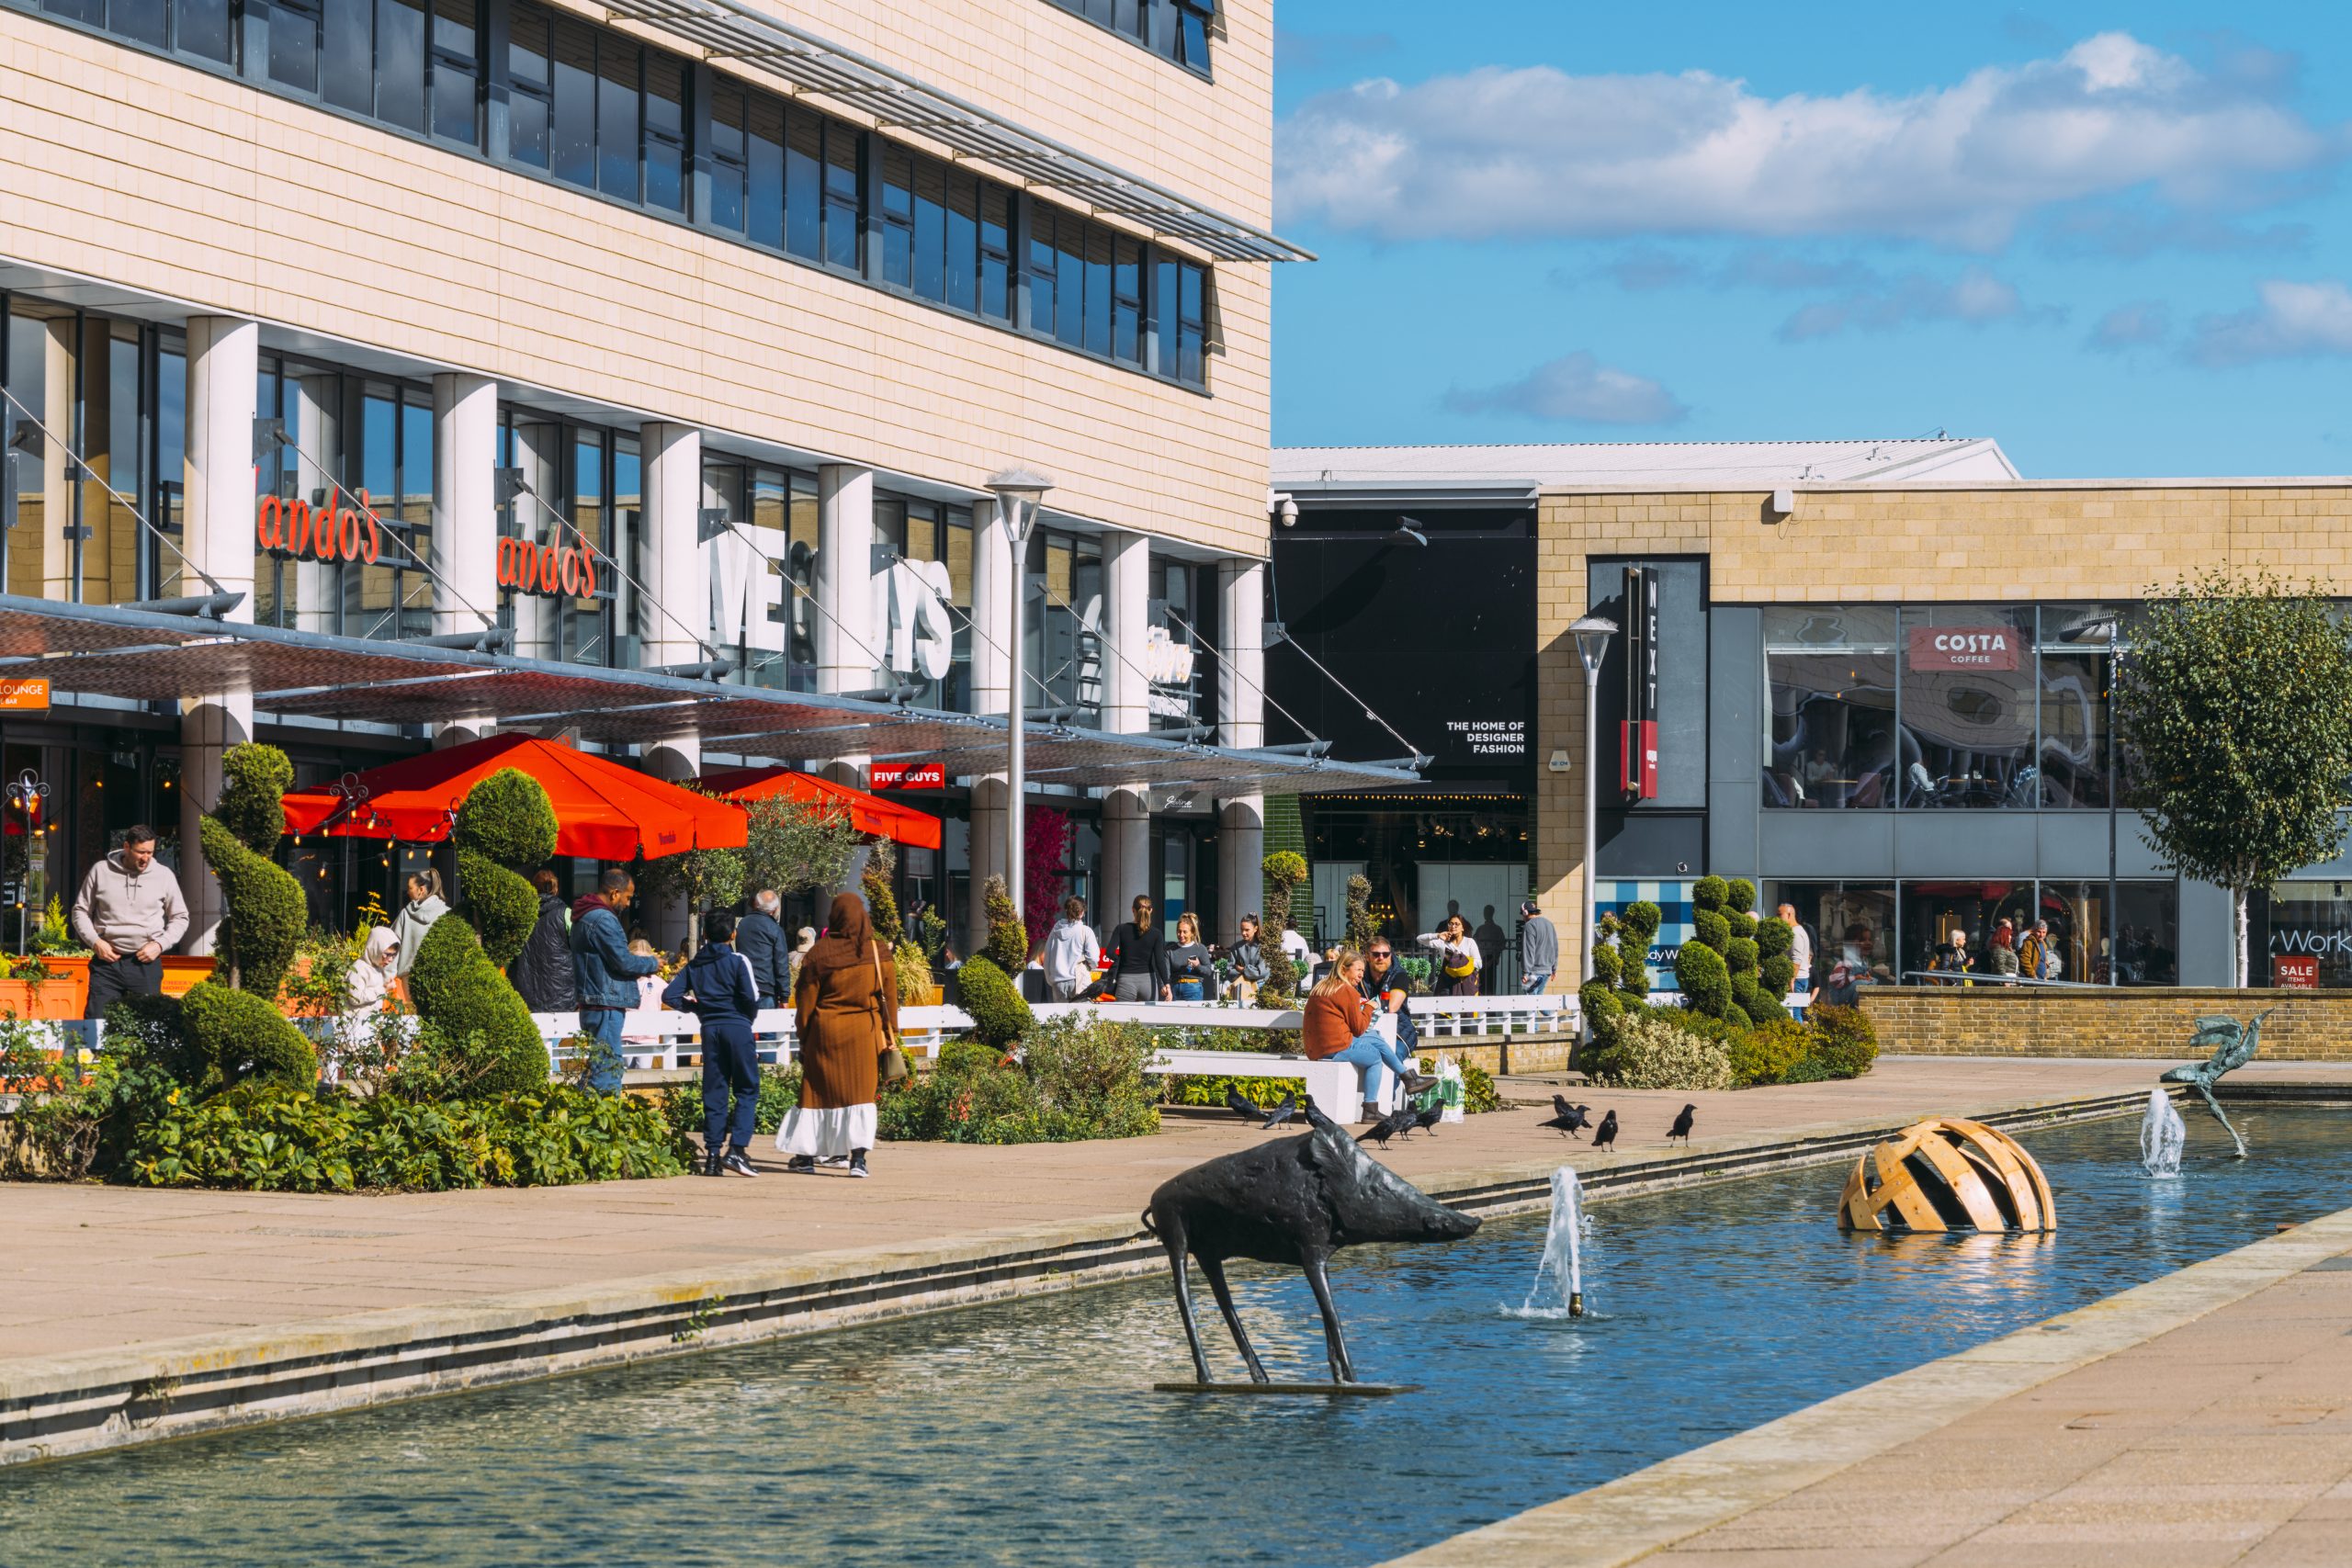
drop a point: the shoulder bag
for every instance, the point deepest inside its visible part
(893, 1061)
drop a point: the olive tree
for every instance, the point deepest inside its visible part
(2234, 708)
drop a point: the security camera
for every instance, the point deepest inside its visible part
(1287, 511)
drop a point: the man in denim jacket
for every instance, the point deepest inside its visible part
(607, 970)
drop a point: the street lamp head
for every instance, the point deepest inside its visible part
(1592, 633)
(1019, 491)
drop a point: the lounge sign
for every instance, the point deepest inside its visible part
(295, 530)
(565, 572)
(1963, 647)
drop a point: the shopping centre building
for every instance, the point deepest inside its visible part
(1871, 676)
(385, 372)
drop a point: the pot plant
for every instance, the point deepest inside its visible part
(51, 979)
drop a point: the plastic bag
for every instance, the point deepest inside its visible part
(1449, 1089)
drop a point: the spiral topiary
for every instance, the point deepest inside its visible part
(1008, 946)
(505, 824)
(1607, 967)
(459, 991)
(241, 1035)
(1000, 1018)
(1741, 922)
(1637, 926)
(266, 912)
(1280, 871)
(1741, 955)
(1710, 927)
(1739, 894)
(1705, 979)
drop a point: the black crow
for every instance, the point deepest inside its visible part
(1281, 1113)
(1682, 1128)
(1241, 1105)
(1387, 1127)
(1566, 1117)
(1605, 1135)
(1426, 1120)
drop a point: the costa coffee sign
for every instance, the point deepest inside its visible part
(1963, 647)
(559, 571)
(295, 530)
(907, 775)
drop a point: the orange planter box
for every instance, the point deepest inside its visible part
(181, 973)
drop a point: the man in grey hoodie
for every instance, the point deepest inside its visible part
(129, 913)
(1539, 949)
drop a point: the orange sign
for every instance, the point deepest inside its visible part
(25, 696)
(567, 572)
(292, 529)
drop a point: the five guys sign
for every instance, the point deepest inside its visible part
(1639, 749)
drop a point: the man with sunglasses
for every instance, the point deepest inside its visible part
(1384, 985)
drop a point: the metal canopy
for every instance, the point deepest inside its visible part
(726, 30)
(145, 656)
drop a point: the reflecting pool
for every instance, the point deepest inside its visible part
(1028, 1433)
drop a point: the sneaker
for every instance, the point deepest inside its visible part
(710, 1161)
(857, 1163)
(833, 1159)
(739, 1163)
(800, 1164)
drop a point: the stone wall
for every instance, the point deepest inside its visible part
(1997, 1020)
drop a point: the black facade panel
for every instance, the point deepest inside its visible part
(1682, 678)
(1638, 844)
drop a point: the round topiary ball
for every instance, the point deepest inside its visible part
(507, 818)
(1741, 955)
(1710, 892)
(1777, 974)
(1607, 966)
(1700, 972)
(1742, 923)
(1740, 893)
(1772, 937)
(1712, 929)
(1642, 919)
(1000, 1017)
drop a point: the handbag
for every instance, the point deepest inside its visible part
(892, 1061)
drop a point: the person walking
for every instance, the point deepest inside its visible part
(1249, 970)
(1139, 957)
(719, 986)
(759, 937)
(129, 913)
(1458, 958)
(1192, 970)
(1338, 1024)
(1800, 949)
(2033, 951)
(606, 971)
(847, 1005)
(2001, 952)
(1071, 953)
(1539, 949)
(425, 905)
(542, 971)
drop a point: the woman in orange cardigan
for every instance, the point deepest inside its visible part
(1338, 1026)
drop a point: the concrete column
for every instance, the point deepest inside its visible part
(60, 476)
(222, 363)
(848, 642)
(1127, 814)
(1241, 702)
(463, 546)
(538, 452)
(991, 671)
(316, 461)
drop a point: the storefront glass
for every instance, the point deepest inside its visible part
(1830, 743)
(1913, 921)
(572, 525)
(1852, 920)
(1967, 711)
(2301, 935)
(1426, 858)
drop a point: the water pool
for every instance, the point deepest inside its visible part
(1028, 1433)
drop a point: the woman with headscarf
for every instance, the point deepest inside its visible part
(369, 981)
(846, 1002)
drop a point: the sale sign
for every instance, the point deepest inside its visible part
(907, 775)
(2295, 971)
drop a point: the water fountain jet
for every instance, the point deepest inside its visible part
(2161, 1137)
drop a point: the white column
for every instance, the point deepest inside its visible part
(847, 638)
(316, 461)
(1126, 813)
(463, 546)
(991, 673)
(677, 571)
(61, 479)
(222, 362)
(1241, 702)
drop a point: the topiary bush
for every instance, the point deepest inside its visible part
(1008, 947)
(1000, 1017)
(1360, 926)
(1739, 894)
(882, 904)
(505, 827)
(502, 906)
(266, 913)
(1776, 970)
(1637, 926)
(1282, 872)
(1705, 979)
(459, 992)
(1607, 967)
(1649, 1050)
(253, 782)
(1741, 954)
(1710, 927)
(1602, 1005)
(239, 1036)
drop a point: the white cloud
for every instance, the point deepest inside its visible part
(1576, 389)
(2135, 326)
(1880, 305)
(2292, 321)
(1532, 152)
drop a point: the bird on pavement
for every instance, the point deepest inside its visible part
(1682, 1128)
(1605, 1135)
(1277, 1116)
(1427, 1118)
(1387, 1127)
(1241, 1105)
(1566, 1117)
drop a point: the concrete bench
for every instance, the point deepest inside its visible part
(1453, 1017)
(1337, 1089)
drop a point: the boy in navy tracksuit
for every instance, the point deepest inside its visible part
(726, 998)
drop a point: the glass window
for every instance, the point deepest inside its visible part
(804, 161)
(617, 83)
(2077, 679)
(1070, 269)
(897, 217)
(1192, 325)
(843, 146)
(294, 46)
(960, 241)
(530, 84)
(764, 220)
(665, 131)
(996, 252)
(1043, 262)
(201, 28)
(1830, 740)
(456, 70)
(930, 228)
(2148, 937)
(400, 64)
(1949, 926)
(575, 101)
(728, 153)
(1126, 313)
(347, 66)
(1098, 290)
(1192, 36)
(142, 21)
(1849, 923)
(1163, 313)
(1968, 708)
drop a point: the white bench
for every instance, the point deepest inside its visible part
(1451, 1016)
(665, 1039)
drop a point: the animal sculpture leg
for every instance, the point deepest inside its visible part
(1173, 1239)
(1342, 1371)
(1215, 1270)
(2214, 1106)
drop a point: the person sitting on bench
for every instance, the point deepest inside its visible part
(1338, 1025)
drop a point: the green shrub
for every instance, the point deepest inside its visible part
(1703, 977)
(1651, 1052)
(882, 904)
(1602, 1005)
(1710, 892)
(1361, 931)
(1739, 894)
(253, 782)
(1637, 926)
(1008, 947)
(239, 1036)
(1742, 924)
(1000, 1017)
(1844, 1043)
(914, 969)
(1088, 1072)
(1766, 1053)
(1766, 1008)
(459, 992)
(502, 907)
(507, 818)
(1606, 966)
(265, 914)
(1280, 874)
(1740, 956)
(1777, 974)
(1080, 1077)
(1774, 939)
(1711, 930)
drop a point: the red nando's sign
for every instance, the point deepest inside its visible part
(297, 530)
(567, 571)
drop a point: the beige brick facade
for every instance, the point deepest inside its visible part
(1994, 542)
(1993, 1020)
(136, 171)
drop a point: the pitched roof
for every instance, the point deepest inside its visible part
(1636, 464)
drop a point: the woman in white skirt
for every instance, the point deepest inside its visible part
(846, 1000)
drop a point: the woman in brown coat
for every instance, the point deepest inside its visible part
(847, 1003)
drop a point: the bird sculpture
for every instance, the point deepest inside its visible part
(1241, 1105)
(1682, 1128)
(1281, 1114)
(2233, 1046)
(1566, 1117)
(1605, 1135)
(1388, 1126)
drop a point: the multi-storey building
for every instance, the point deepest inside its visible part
(381, 371)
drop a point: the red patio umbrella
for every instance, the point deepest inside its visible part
(868, 813)
(604, 809)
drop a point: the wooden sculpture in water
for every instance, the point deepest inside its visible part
(1945, 1174)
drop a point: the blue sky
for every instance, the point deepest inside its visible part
(2116, 237)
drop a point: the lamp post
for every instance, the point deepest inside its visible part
(1019, 492)
(1592, 633)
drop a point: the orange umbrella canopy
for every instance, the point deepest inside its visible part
(604, 809)
(868, 813)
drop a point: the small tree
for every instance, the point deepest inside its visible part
(2233, 709)
(1360, 926)
(1008, 943)
(795, 847)
(1284, 870)
(881, 899)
